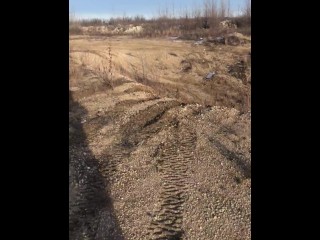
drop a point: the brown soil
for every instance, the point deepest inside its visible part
(156, 152)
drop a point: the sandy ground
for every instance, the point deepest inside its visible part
(156, 152)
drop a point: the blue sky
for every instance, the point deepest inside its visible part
(148, 8)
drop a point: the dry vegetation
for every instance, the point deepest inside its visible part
(201, 21)
(156, 150)
(171, 68)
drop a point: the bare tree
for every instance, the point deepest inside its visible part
(210, 12)
(196, 13)
(247, 8)
(223, 9)
(213, 13)
(173, 13)
(206, 8)
(228, 9)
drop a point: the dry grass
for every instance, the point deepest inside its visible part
(186, 27)
(157, 64)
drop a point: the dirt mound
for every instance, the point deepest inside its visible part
(228, 24)
(232, 40)
(136, 29)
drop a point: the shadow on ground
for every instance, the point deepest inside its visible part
(239, 161)
(91, 212)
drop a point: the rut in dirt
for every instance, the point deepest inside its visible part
(176, 155)
(140, 127)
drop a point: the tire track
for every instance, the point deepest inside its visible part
(142, 125)
(109, 161)
(176, 156)
(146, 123)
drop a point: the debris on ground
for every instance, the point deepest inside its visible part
(173, 38)
(199, 42)
(219, 40)
(238, 70)
(209, 76)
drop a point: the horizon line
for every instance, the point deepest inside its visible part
(107, 16)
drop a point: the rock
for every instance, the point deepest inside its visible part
(209, 76)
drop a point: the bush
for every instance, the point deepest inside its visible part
(75, 30)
